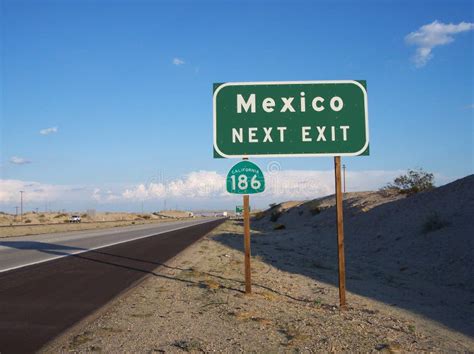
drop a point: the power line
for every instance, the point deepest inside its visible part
(21, 205)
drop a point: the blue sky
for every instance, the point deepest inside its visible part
(128, 87)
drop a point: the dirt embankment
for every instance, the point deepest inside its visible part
(409, 283)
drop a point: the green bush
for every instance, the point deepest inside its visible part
(412, 182)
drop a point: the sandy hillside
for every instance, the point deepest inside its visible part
(415, 252)
(409, 284)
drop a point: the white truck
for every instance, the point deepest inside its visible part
(75, 219)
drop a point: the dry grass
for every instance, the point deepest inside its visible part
(279, 227)
(12, 231)
(211, 284)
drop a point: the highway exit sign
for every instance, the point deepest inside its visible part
(301, 118)
(239, 209)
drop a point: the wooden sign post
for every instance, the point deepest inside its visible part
(248, 277)
(340, 233)
(246, 178)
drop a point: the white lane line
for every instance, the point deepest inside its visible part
(103, 246)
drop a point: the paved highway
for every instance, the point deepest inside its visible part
(17, 252)
(50, 282)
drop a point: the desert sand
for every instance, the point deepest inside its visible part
(409, 279)
(44, 223)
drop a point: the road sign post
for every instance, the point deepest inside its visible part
(248, 277)
(340, 233)
(246, 178)
(291, 119)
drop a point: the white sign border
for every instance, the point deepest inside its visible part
(290, 83)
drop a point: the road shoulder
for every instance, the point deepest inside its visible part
(196, 303)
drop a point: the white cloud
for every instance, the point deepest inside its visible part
(36, 192)
(198, 184)
(48, 131)
(19, 160)
(432, 35)
(204, 188)
(280, 185)
(105, 196)
(178, 61)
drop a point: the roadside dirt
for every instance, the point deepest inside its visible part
(11, 231)
(196, 303)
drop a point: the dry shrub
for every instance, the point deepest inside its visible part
(211, 284)
(275, 216)
(434, 222)
(414, 181)
(279, 227)
(260, 215)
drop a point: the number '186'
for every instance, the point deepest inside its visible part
(242, 182)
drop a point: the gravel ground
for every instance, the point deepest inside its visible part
(196, 303)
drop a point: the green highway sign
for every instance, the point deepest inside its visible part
(302, 118)
(239, 209)
(245, 178)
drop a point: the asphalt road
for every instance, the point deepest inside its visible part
(74, 274)
(16, 252)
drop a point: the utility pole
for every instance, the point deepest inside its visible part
(21, 205)
(344, 176)
(16, 213)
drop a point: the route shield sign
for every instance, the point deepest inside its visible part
(304, 118)
(245, 178)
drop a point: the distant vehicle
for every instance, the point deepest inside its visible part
(75, 218)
